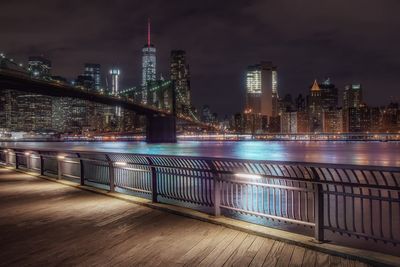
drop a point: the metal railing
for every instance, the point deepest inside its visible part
(359, 202)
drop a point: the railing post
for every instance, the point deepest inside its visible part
(154, 192)
(318, 207)
(28, 164)
(82, 170)
(112, 174)
(6, 155)
(41, 164)
(217, 188)
(59, 168)
(16, 159)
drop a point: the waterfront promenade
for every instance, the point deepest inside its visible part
(43, 223)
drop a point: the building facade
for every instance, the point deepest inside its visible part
(262, 89)
(180, 76)
(94, 71)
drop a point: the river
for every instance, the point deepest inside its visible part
(344, 152)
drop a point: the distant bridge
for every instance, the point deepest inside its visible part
(161, 124)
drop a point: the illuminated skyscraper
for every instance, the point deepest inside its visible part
(315, 108)
(352, 96)
(181, 77)
(262, 89)
(93, 70)
(115, 87)
(329, 95)
(114, 81)
(148, 64)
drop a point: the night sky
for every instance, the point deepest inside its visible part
(356, 41)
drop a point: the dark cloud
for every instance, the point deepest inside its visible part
(350, 41)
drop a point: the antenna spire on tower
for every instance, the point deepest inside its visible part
(148, 32)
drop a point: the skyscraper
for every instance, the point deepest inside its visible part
(329, 95)
(148, 64)
(114, 81)
(114, 72)
(93, 70)
(181, 77)
(262, 89)
(352, 96)
(315, 108)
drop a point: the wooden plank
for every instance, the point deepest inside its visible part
(347, 263)
(263, 252)
(237, 256)
(201, 250)
(230, 249)
(297, 256)
(184, 243)
(284, 256)
(273, 256)
(334, 261)
(179, 240)
(322, 259)
(310, 257)
(218, 249)
(250, 253)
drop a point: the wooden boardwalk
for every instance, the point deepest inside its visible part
(43, 223)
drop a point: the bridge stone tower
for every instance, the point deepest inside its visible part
(162, 128)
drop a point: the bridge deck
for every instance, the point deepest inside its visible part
(43, 223)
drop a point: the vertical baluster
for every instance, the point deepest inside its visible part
(154, 192)
(318, 207)
(251, 200)
(262, 199)
(59, 167)
(269, 200)
(81, 168)
(16, 160)
(41, 164)
(237, 196)
(274, 200)
(111, 173)
(292, 202)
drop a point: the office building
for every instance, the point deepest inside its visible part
(85, 82)
(332, 121)
(114, 90)
(94, 71)
(315, 108)
(329, 95)
(181, 78)
(352, 96)
(261, 89)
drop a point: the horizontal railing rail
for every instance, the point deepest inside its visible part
(361, 202)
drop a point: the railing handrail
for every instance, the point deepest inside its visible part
(230, 172)
(272, 162)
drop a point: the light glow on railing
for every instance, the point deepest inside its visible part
(120, 163)
(27, 153)
(248, 176)
(60, 157)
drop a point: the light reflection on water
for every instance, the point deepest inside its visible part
(364, 153)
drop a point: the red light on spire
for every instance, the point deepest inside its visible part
(148, 32)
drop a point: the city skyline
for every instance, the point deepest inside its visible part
(340, 48)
